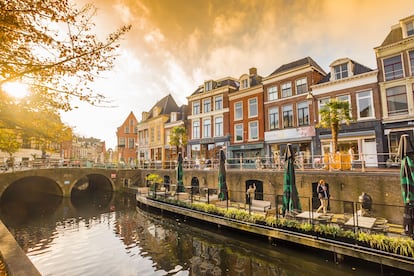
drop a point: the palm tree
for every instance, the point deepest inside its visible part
(333, 114)
(178, 137)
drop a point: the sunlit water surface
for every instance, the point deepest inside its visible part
(108, 235)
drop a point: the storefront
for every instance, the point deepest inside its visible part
(299, 138)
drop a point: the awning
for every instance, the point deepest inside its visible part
(364, 133)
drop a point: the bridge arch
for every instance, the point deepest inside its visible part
(91, 183)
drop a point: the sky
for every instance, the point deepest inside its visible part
(175, 45)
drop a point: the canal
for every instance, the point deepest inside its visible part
(106, 234)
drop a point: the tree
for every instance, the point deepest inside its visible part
(333, 114)
(178, 137)
(9, 143)
(50, 45)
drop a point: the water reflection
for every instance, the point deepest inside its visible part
(107, 235)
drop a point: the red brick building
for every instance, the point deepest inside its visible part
(127, 137)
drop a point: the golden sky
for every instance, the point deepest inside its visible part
(175, 45)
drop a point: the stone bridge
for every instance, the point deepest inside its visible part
(63, 181)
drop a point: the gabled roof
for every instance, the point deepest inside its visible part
(166, 105)
(393, 36)
(126, 121)
(296, 64)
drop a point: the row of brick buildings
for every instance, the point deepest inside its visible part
(254, 115)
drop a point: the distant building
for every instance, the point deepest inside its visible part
(151, 132)
(126, 137)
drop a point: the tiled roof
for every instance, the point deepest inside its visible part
(297, 63)
(166, 104)
(394, 36)
(220, 83)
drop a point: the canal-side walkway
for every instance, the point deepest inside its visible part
(337, 247)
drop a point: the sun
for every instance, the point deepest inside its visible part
(16, 89)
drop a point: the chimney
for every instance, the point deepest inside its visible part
(253, 71)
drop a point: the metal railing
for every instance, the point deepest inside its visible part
(347, 215)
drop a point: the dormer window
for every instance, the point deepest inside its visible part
(208, 86)
(341, 71)
(173, 116)
(410, 28)
(245, 83)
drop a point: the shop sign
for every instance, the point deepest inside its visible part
(300, 132)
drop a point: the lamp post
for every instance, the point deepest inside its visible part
(310, 98)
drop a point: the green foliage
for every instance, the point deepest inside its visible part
(178, 137)
(398, 245)
(333, 114)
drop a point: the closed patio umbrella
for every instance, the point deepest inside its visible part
(180, 185)
(290, 193)
(223, 194)
(406, 154)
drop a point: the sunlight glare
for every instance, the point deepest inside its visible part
(16, 89)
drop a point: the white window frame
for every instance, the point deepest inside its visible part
(300, 83)
(343, 71)
(196, 129)
(206, 128)
(393, 74)
(238, 108)
(303, 106)
(218, 126)
(253, 129)
(360, 97)
(253, 107)
(218, 103)
(207, 103)
(277, 124)
(321, 105)
(288, 107)
(196, 108)
(286, 89)
(236, 140)
(272, 93)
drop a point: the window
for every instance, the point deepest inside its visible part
(131, 143)
(287, 116)
(411, 56)
(393, 68)
(252, 107)
(196, 108)
(196, 130)
(158, 133)
(272, 93)
(218, 103)
(286, 90)
(238, 111)
(173, 116)
(245, 83)
(121, 142)
(206, 128)
(152, 135)
(206, 105)
(126, 129)
(218, 126)
(303, 114)
(365, 105)
(273, 118)
(410, 28)
(253, 130)
(301, 86)
(208, 85)
(322, 104)
(396, 100)
(341, 71)
(238, 133)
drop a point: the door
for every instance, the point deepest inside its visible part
(370, 153)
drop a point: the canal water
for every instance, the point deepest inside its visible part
(107, 234)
